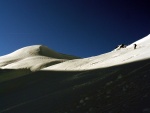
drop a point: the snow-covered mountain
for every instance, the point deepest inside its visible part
(40, 57)
(29, 59)
(122, 56)
(33, 58)
(36, 79)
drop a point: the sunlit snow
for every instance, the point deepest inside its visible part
(40, 57)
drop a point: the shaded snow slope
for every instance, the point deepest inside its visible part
(8, 74)
(122, 56)
(117, 89)
(33, 58)
(121, 86)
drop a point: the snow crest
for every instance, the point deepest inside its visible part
(32, 57)
(41, 57)
(119, 57)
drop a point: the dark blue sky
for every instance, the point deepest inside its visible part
(79, 27)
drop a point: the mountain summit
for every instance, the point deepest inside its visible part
(114, 82)
(38, 57)
(32, 57)
(38, 50)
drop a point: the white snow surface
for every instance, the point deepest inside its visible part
(40, 57)
(32, 57)
(122, 56)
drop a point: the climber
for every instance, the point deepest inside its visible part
(135, 46)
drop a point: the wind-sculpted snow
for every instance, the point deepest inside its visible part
(33, 58)
(40, 57)
(37, 50)
(115, 82)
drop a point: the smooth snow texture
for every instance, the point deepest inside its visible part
(122, 56)
(33, 58)
(40, 57)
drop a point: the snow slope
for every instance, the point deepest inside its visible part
(33, 58)
(123, 86)
(117, 89)
(122, 56)
(40, 57)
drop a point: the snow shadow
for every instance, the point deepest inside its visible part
(118, 89)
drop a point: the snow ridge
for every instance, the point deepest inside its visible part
(122, 56)
(38, 57)
(32, 57)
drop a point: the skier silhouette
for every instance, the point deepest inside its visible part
(135, 46)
